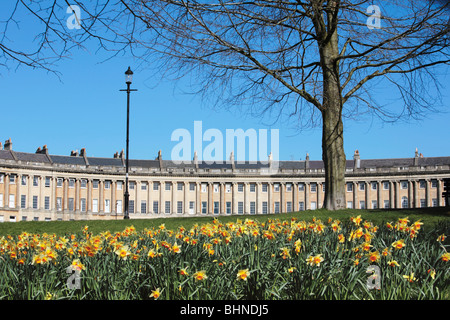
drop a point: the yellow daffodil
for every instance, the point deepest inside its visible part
(410, 278)
(445, 257)
(399, 244)
(200, 275)
(393, 263)
(155, 293)
(243, 274)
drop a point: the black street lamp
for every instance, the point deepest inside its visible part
(128, 80)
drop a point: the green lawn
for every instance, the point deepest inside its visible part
(429, 216)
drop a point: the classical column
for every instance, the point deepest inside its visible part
(162, 205)
(428, 198)
(77, 195)
(113, 197)
(282, 197)
(379, 195)
(53, 202)
(307, 204)
(246, 199)
(367, 188)
(270, 197)
(319, 193)
(137, 196)
(89, 195)
(222, 198)
(18, 184)
(439, 192)
(355, 195)
(410, 194)
(186, 198)
(66, 193)
(295, 196)
(6, 199)
(391, 195)
(198, 204)
(149, 196)
(416, 194)
(101, 204)
(258, 209)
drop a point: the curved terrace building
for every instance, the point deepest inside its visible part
(43, 187)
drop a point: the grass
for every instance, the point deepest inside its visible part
(429, 216)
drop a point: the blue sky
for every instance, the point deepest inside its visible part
(85, 109)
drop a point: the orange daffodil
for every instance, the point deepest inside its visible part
(315, 260)
(399, 244)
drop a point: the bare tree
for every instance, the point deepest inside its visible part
(317, 60)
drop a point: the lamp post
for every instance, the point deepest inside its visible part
(128, 80)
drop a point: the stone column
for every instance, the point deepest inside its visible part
(439, 192)
(186, 200)
(355, 195)
(18, 184)
(307, 201)
(270, 197)
(6, 186)
(222, 198)
(198, 204)
(295, 196)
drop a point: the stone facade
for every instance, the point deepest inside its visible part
(44, 187)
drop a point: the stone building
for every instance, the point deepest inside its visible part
(43, 187)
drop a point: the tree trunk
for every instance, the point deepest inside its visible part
(333, 154)
(333, 157)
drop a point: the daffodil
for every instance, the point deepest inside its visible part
(399, 244)
(243, 274)
(155, 293)
(183, 272)
(123, 252)
(410, 278)
(393, 263)
(445, 257)
(374, 256)
(200, 275)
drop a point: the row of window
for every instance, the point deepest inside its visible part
(403, 185)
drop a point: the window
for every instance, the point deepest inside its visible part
(228, 207)
(155, 186)
(2, 178)
(35, 202)
(203, 187)
(191, 186)
(216, 207)
(228, 188)
(252, 187)
(323, 187)
(155, 206)
(423, 203)
(434, 183)
(143, 206)
(83, 183)
(374, 204)
(349, 186)
(59, 204)
(130, 206)
(119, 185)
(313, 205)
(83, 204)
(179, 206)
(404, 184)
(362, 186)
(264, 207)
(12, 201)
(131, 185)
(71, 183)
(118, 206)
(12, 179)
(385, 185)
(144, 185)
(386, 204)
(374, 185)
(277, 207)
(301, 206)
(59, 182)
(47, 182)
(216, 187)
(288, 187)
(301, 187)
(404, 202)
(35, 181)
(264, 187)
(434, 202)
(240, 207)
(204, 207)
(95, 184)
(108, 205)
(422, 184)
(349, 204)
(167, 205)
(288, 206)
(24, 180)
(240, 187)
(47, 203)
(276, 187)
(191, 206)
(95, 205)
(167, 186)
(180, 186)
(23, 201)
(313, 187)
(252, 207)
(362, 204)
(71, 203)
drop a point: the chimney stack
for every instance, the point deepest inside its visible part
(195, 160)
(8, 144)
(307, 161)
(74, 153)
(356, 160)
(1, 146)
(416, 158)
